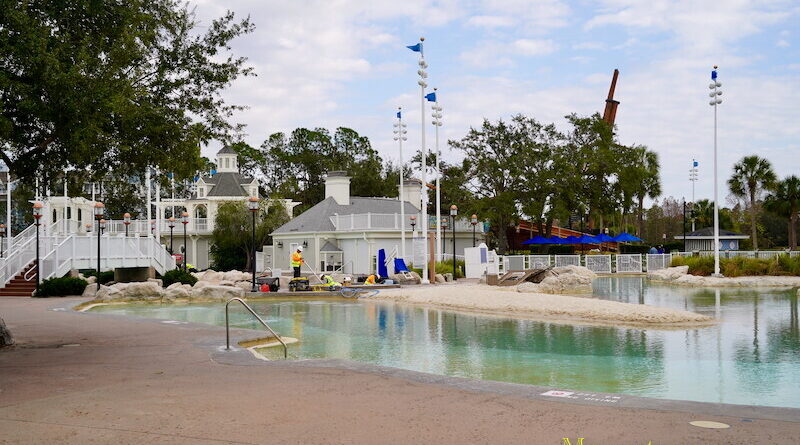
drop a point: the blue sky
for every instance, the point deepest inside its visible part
(344, 63)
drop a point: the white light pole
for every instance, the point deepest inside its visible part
(422, 85)
(400, 136)
(147, 199)
(714, 86)
(693, 175)
(437, 122)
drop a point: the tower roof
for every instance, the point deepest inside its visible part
(226, 151)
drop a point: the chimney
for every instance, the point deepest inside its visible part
(337, 186)
(412, 188)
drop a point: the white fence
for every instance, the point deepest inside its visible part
(761, 254)
(629, 263)
(567, 260)
(656, 261)
(598, 263)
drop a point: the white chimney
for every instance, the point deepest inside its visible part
(412, 188)
(337, 186)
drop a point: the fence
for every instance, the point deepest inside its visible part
(567, 260)
(598, 263)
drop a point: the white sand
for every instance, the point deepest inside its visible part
(679, 275)
(507, 302)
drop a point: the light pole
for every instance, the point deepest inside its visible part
(99, 211)
(474, 222)
(715, 86)
(400, 136)
(422, 85)
(2, 236)
(37, 216)
(171, 225)
(126, 219)
(437, 122)
(153, 228)
(413, 226)
(185, 221)
(693, 176)
(453, 213)
(252, 205)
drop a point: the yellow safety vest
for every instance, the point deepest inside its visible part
(297, 259)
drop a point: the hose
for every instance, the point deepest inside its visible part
(353, 292)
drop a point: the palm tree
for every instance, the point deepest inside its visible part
(785, 201)
(650, 185)
(704, 213)
(750, 177)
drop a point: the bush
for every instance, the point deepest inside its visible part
(105, 277)
(59, 287)
(740, 266)
(446, 266)
(178, 276)
(632, 248)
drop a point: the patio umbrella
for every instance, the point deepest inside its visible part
(588, 239)
(603, 238)
(572, 240)
(537, 240)
(556, 240)
(625, 237)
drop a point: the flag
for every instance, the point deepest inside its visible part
(696, 163)
(714, 75)
(431, 97)
(398, 115)
(416, 48)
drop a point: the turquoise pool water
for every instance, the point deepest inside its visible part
(751, 357)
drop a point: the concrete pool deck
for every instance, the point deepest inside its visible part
(98, 378)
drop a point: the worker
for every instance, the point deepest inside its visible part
(297, 261)
(329, 281)
(370, 279)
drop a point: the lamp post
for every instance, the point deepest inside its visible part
(693, 176)
(453, 213)
(437, 122)
(422, 85)
(99, 211)
(413, 225)
(400, 136)
(252, 205)
(185, 221)
(474, 221)
(684, 224)
(37, 216)
(126, 219)
(153, 228)
(715, 86)
(88, 227)
(2, 236)
(171, 225)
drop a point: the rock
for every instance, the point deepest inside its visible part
(210, 275)
(235, 275)
(246, 286)
(448, 277)
(146, 290)
(156, 280)
(91, 280)
(668, 274)
(203, 283)
(401, 279)
(560, 280)
(226, 283)
(5, 335)
(90, 291)
(217, 293)
(417, 278)
(175, 292)
(439, 278)
(175, 284)
(106, 293)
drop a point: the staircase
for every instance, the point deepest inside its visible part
(19, 286)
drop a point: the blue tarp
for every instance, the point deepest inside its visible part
(382, 264)
(400, 266)
(537, 240)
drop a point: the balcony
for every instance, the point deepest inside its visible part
(389, 222)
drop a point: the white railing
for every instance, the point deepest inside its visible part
(629, 263)
(657, 261)
(137, 227)
(385, 221)
(598, 263)
(538, 261)
(567, 260)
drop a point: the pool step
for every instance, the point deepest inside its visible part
(18, 286)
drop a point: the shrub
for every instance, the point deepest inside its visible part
(105, 277)
(178, 276)
(740, 266)
(59, 287)
(446, 266)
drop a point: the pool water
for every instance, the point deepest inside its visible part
(751, 357)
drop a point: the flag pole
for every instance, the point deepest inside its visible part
(400, 132)
(422, 85)
(439, 245)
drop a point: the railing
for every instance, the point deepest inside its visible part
(761, 254)
(264, 323)
(385, 221)
(137, 227)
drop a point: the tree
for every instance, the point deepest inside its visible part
(785, 201)
(751, 176)
(232, 242)
(105, 85)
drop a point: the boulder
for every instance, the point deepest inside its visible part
(106, 293)
(91, 280)
(175, 284)
(90, 291)
(235, 275)
(668, 274)
(173, 293)
(226, 283)
(439, 278)
(203, 283)
(448, 276)
(560, 280)
(211, 275)
(217, 293)
(146, 290)
(247, 286)
(5, 335)
(156, 280)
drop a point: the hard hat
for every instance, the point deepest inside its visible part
(299, 248)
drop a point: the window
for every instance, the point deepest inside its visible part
(55, 215)
(201, 192)
(80, 217)
(69, 212)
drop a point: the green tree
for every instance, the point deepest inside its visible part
(751, 176)
(105, 85)
(785, 201)
(232, 240)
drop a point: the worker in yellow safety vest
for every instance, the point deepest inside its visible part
(297, 261)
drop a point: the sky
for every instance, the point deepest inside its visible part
(332, 63)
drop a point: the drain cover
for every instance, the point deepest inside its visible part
(709, 424)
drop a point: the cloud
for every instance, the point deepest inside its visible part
(490, 21)
(783, 44)
(528, 47)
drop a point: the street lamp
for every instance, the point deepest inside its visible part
(715, 86)
(436, 116)
(693, 176)
(153, 227)
(252, 205)
(453, 213)
(185, 221)
(2, 234)
(99, 211)
(88, 227)
(171, 225)
(422, 85)
(474, 221)
(413, 225)
(37, 216)
(126, 219)
(400, 136)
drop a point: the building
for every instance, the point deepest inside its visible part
(344, 233)
(703, 239)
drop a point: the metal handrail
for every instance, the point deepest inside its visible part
(246, 306)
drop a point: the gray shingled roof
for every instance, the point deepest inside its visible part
(226, 150)
(709, 231)
(329, 247)
(227, 184)
(317, 218)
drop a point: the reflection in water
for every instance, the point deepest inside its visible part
(751, 357)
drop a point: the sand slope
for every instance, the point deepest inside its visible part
(508, 302)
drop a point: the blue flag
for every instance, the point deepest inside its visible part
(431, 97)
(714, 75)
(398, 115)
(696, 163)
(416, 48)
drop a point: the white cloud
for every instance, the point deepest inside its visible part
(529, 47)
(589, 46)
(490, 21)
(783, 43)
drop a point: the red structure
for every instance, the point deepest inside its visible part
(610, 113)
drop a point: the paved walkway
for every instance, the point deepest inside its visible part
(78, 378)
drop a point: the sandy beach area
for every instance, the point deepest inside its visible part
(680, 275)
(546, 307)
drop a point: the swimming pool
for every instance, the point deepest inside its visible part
(751, 357)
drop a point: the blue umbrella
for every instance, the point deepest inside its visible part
(557, 240)
(588, 239)
(537, 240)
(625, 237)
(572, 240)
(603, 238)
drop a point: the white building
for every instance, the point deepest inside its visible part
(344, 233)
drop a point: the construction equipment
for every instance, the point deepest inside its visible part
(299, 284)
